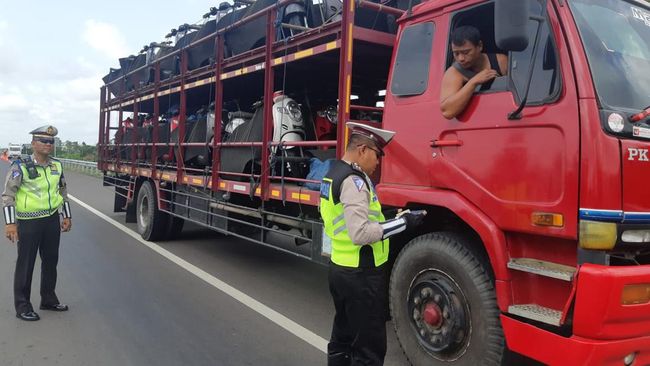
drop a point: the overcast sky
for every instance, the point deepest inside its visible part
(53, 55)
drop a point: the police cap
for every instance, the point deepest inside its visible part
(45, 131)
(380, 137)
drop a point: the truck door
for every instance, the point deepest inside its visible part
(410, 100)
(512, 168)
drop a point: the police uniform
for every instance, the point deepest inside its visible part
(35, 192)
(354, 222)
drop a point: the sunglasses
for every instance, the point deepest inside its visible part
(377, 151)
(45, 140)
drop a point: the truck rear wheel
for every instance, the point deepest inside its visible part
(152, 223)
(443, 304)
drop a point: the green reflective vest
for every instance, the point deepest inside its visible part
(344, 251)
(39, 197)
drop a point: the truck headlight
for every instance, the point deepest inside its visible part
(636, 236)
(597, 235)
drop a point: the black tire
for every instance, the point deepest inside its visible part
(152, 223)
(174, 228)
(443, 304)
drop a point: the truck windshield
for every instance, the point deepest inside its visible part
(616, 36)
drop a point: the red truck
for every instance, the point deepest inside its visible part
(537, 239)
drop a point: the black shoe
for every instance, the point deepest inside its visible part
(55, 307)
(338, 359)
(29, 316)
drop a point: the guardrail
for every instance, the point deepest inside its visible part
(82, 166)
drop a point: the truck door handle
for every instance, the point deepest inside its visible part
(443, 143)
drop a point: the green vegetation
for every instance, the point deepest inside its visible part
(70, 150)
(75, 150)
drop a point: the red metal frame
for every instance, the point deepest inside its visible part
(134, 135)
(218, 109)
(156, 124)
(345, 75)
(179, 150)
(343, 33)
(268, 104)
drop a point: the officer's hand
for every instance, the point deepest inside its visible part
(414, 219)
(66, 225)
(11, 232)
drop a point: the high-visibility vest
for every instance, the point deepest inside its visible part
(344, 251)
(39, 197)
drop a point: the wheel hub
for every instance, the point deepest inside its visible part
(438, 314)
(432, 315)
(144, 211)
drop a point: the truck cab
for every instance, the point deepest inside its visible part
(14, 151)
(543, 173)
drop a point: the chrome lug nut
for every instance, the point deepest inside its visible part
(416, 315)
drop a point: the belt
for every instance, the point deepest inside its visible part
(34, 214)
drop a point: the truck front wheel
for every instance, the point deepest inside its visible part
(443, 304)
(152, 223)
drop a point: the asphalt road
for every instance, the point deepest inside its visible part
(130, 305)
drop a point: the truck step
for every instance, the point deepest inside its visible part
(537, 312)
(543, 268)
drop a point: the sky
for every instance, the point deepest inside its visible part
(53, 55)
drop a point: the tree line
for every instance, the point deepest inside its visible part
(69, 150)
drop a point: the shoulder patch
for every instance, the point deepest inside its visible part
(358, 181)
(15, 174)
(325, 189)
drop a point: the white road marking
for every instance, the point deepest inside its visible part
(274, 316)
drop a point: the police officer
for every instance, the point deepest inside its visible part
(34, 192)
(359, 234)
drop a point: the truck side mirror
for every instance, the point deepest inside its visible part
(511, 24)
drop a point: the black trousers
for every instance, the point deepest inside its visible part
(36, 236)
(359, 331)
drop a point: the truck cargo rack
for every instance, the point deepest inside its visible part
(128, 155)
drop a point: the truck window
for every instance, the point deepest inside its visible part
(545, 84)
(411, 70)
(616, 37)
(480, 17)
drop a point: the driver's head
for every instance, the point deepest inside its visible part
(466, 46)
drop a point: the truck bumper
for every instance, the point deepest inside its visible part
(553, 349)
(599, 313)
(604, 330)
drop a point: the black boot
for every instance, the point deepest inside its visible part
(338, 359)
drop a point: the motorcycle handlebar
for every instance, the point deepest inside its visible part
(213, 11)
